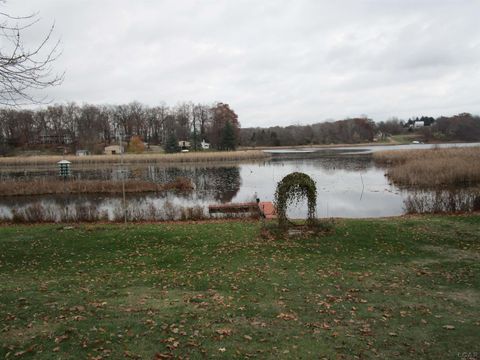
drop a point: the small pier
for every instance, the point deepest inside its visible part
(266, 209)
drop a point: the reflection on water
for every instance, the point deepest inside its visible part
(460, 200)
(143, 209)
(349, 185)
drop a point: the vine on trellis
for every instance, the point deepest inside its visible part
(290, 190)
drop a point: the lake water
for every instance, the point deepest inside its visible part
(348, 184)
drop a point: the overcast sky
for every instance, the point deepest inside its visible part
(275, 62)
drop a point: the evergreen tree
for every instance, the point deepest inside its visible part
(229, 141)
(172, 144)
(196, 141)
(253, 139)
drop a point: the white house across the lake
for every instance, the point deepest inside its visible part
(113, 150)
(82, 152)
(184, 145)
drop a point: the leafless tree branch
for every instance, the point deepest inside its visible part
(23, 69)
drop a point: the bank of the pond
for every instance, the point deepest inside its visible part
(384, 288)
(190, 157)
(431, 168)
(73, 186)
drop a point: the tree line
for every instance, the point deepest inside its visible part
(462, 127)
(343, 131)
(92, 127)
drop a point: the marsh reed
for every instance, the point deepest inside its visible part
(192, 157)
(441, 201)
(137, 211)
(47, 187)
(432, 168)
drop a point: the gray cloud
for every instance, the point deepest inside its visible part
(275, 62)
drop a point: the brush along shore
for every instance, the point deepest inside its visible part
(138, 158)
(47, 187)
(432, 168)
(397, 288)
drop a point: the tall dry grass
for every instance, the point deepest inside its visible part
(47, 187)
(431, 168)
(138, 158)
(441, 201)
(39, 212)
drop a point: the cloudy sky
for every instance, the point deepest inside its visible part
(275, 62)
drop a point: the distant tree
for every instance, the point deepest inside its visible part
(23, 69)
(182, 121)
(168, 127)
(392, 126)
(136, 145)
(90, 128)
(196, 115)
(171, 145)
(427, 120)
(461, 127)
(274, 141)
(221, 114)
(196, 141)
(228, 139)
(253, 139)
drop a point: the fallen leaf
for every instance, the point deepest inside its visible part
(60, 338)
(287, 316)
(224, 331)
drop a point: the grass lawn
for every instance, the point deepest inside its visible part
(404, 138)
(387, 288)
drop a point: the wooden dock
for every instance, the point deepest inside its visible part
(265, 208)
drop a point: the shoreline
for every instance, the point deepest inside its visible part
(242, 154)
(250, 220)
(177, 158)
(98, 187)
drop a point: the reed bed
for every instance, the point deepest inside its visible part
(39, 212)
(47, 187)
(49, 213)
(463, 200)
(138, 158)
(432, 168)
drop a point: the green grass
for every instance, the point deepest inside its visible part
(405, 138)
(387, 288)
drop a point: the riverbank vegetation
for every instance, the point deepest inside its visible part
(191, 157)
(49, 187)
(398, 288)
(135, 211)
(443, 201)
(432, 168)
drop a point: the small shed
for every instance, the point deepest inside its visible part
(113, 150)
(82, 152)
(205, 145)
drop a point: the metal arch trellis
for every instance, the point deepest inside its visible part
(290, 190)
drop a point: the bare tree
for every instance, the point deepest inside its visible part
(24, 69)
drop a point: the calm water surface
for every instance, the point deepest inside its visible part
(348, 183)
